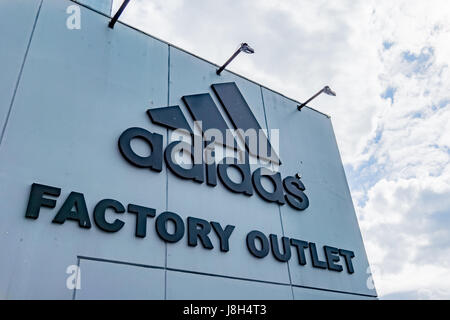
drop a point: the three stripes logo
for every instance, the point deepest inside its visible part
(215, 131)
(205, 113)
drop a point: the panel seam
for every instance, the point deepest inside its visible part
(288, 266)
(167, 173)
(279, 207)
(264, 111)
(78, 276)
(221, 276)
(19, 77)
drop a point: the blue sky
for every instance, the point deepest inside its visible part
(388, 61)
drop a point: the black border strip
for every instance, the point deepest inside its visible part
(196, 56)
(219, 275)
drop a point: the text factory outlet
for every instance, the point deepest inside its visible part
(196, 230)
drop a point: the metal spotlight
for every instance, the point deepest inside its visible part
(244, 47)
(327, 90)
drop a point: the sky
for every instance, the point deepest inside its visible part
(388, 62)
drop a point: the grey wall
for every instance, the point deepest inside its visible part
(67, 95)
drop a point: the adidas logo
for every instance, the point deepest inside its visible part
(215, 131)
(213, 127)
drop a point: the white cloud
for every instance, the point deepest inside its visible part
(396, 149)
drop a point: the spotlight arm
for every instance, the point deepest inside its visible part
(244, 47)
(325, 89)
(309, 100)
(118, 13)
(228, 61)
